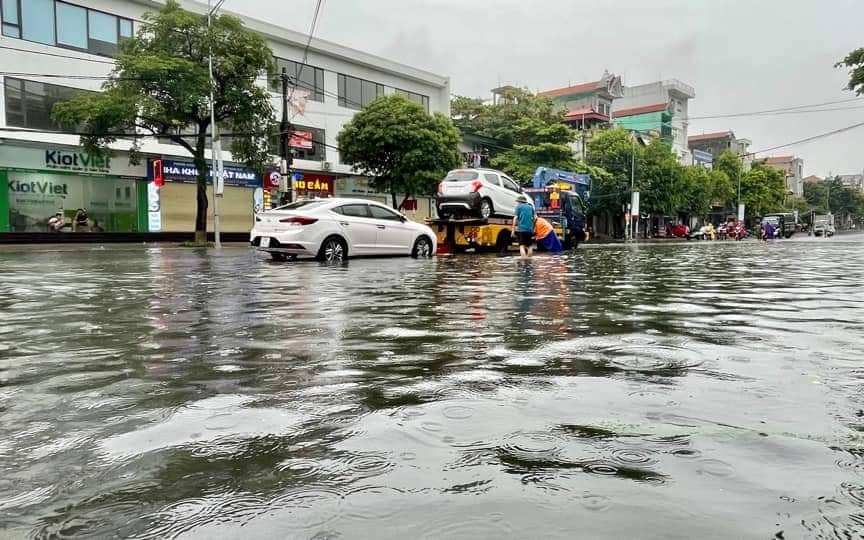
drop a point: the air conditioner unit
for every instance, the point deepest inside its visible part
(326, 165)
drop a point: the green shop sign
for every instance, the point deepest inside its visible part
(76, 161)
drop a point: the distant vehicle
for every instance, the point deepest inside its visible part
(736, 231)
(823, 228)
(784, 224)
(680, 230)
(334, 229)
(705, 232)
(482, 193)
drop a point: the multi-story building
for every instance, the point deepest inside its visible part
(854, 181)
(587, 104)
(714, 144)
(53, 50)
(793, 170)
(661, 108)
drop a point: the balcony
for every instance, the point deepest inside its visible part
(679, 89)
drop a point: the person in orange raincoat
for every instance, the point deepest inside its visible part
(545, 236)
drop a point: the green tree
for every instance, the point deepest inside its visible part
(855, 62)
(762, 189)
(528, 130)
(660, 178)
(160, 86)
(612, 151)
(724, 190)
(730, 164)
(697, 191)
(404, 148)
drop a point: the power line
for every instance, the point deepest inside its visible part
(756, 113)
(808, 139)
(306, 48)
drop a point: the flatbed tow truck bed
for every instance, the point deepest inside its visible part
(472, 234)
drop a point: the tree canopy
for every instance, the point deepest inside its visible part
(529, 131)
(831, 195)
(405, 149)
(855, 62)
(161, 86)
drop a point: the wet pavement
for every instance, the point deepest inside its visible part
(700, 390)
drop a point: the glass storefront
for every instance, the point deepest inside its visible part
(111, 203)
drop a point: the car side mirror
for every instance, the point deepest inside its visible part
(402, 218)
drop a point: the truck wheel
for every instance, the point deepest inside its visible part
(486, 209)
(502, 243)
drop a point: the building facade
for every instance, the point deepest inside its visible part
(793, 170)
(661, 107)
(714, 144)
(588, 104)
(54, 50)
(854, 181)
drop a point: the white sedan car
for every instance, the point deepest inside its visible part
(334, 229)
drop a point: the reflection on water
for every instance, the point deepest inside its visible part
(709, 391)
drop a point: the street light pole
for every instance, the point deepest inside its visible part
(632, 181)
(215, 143)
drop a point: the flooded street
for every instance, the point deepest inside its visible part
(687, 390)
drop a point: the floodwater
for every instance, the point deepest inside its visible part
(688, 390)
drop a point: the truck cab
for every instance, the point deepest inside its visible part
(561, 198)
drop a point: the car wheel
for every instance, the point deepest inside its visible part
(486, 209)
(422, 248)
(333, 249)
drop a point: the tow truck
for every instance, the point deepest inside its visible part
(559, 196)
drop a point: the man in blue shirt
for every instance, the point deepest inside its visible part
(523, 223)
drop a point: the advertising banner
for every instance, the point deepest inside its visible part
(183, 171)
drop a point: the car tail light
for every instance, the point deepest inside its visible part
(441, 188)
(298, 221)
(476, 185)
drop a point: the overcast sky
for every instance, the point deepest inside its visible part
(740, 55)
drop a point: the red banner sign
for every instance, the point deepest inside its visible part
(301, 139)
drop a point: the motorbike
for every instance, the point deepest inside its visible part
(705, 232)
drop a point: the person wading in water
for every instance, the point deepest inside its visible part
(523, 223)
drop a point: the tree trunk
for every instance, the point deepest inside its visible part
(201, 192)
(404, 200)
(393, 198)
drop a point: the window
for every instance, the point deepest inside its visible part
(71, 26)
(356, 93)
(492, 178)
(416, 98)
(379, 212)
(461, 176)
(355, 210)
(103, 33)
(603, 108)
(56, 22)
(11, 18)
(301, 76)
(510, 184)
(37, 21)
(29, 103)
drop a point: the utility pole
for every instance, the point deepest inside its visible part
(632, 178)
(215, 143)
(284, 138)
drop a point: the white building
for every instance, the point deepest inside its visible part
(50, 48)
(661, 106)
